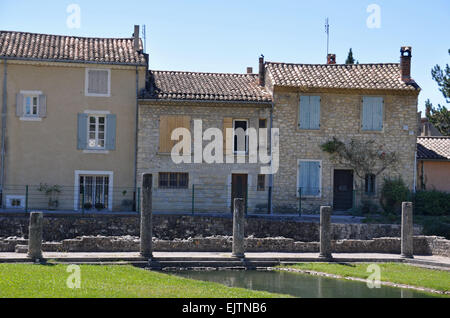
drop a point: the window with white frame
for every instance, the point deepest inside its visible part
(240, 139)
(98, 82)
(96, 131)
(31, 105)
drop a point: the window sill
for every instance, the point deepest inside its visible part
(93, 151)
(97, 95)
(30, 118)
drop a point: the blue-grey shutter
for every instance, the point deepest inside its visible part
(110, 132)
(303, 177)
(42, 106)
(314, 102)
(377, 109)
(367, 114)
(82, 131)
(304, 112)
(19, 105)
(314, 175)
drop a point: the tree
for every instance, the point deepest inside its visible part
(350, 59)
(439, 116)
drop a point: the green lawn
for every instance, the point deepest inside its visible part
(390, 272)
(49, 281)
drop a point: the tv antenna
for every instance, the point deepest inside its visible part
(327, 31)
(144, 36)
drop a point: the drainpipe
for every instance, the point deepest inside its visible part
(136, 136)
(270, 194)
(4, 114)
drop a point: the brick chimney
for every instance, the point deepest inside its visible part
(261, 76)
(331, 59)
(249, 70)
(136, 38)
(405, 63)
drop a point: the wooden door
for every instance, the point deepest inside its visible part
(343, 190)
(238, 188)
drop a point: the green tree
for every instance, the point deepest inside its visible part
(350, 58)
(439, 116)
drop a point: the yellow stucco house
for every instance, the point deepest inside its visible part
(69, 114)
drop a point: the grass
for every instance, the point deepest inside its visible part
(390, 272)
(49, 281)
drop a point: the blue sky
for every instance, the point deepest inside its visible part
(227, 36)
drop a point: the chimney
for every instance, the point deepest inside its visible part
(405, 63)
(249, 70)
(136, 38)
(331, 59)
(261, 76)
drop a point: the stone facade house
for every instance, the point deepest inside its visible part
(309, 105)
(69, 112)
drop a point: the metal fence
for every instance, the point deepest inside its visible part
(193, 199)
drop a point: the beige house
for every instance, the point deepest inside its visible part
(309, 104)
(433, 163)
(69, 119)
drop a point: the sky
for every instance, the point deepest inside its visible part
(228, 36)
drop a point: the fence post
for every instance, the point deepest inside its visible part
(146, 216)
(138, 203)
(269, 201)
(246, 201)
(82, 199)
(325, 232)
(35, 236)
(26, 199)
(238, 228)
(407, 230)
(300, 201)
(193, 198)
(354, 199)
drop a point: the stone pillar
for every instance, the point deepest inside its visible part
(146, 216)
(238, 228)
(407, 230)
(35, 236)
(325, 232)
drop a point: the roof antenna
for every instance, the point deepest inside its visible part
(327, 31)
(144, 35)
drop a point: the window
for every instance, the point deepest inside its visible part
(96, 133)
(167, 124)
(261, 182)
(370, 184)
(94, 191)
(309, 178)
(173, 180)
(309, 112)
(31, 105)
(240, 138)
(372, 114)
(15, 201)
(98, 82)
(262, 123)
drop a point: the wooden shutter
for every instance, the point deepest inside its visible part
(372, 117)
(19, 105)
(110, 143)
(166, 125)
(309, 177)
(227, 140)
(42, 106)
(314, 102)
(367, 114)
(82, 131)
(98, 81)
(304, 112)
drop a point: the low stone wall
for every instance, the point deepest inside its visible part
(169, 227)
(423, 245)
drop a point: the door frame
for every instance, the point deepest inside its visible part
(110, 174)
(353, 183)
(230, 196)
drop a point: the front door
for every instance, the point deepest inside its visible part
(238, 188)
(343, 190)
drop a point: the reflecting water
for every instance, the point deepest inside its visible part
(299, 285)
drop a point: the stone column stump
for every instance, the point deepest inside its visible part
(146, 248)
(407, 230)
(325, 232)
(35, 236)
(238, 228)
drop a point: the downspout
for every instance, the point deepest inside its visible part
(271, 175)
(4, 114)
(136, 123)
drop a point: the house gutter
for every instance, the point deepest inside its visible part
(136, 123)
(170, 100)
(4, 114)
(270, 194)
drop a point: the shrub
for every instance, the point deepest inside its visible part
(437, 229)
(432, 203)
(393, 193)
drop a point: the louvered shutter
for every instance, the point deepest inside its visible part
(82, 131)
(42, 106)
(110, 132)
(19, 105)
(227, 140)
(304, 112)
(314, 102)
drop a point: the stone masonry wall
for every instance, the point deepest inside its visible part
(169, 227)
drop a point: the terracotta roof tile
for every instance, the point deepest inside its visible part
(206, 86)
(437, 148)
(33, 46)
(358, 76)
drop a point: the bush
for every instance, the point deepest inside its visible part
(393, 193)
(432, 203)
(437, 229)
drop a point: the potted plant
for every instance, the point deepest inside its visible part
(99, 206)
(87, 206)
(52, 192)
